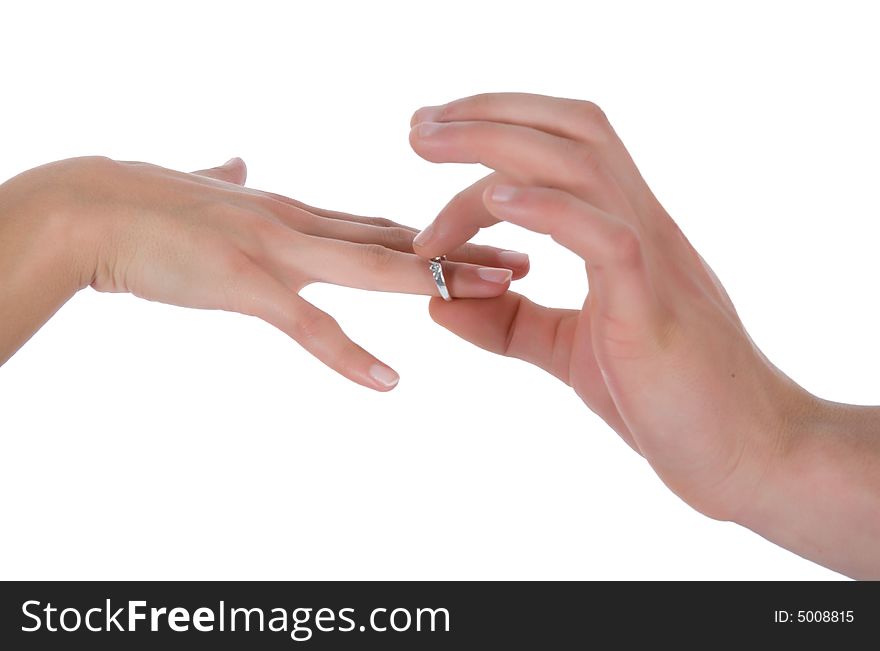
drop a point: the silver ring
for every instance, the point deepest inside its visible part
(436, 267)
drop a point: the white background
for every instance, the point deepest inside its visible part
(141, 441)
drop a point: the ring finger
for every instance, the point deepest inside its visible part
(375, 267)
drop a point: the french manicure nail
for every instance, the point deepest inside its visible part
(425, 236)
(428, 129)
(502, 193)
(500, 276)
(514, 259)
(384, 376)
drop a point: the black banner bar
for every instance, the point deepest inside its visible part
(430, 615)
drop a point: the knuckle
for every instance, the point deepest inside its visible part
(311, 325)
(235, 268)
(595, 126)
(296, 218)
(264, 202)
(237, 214)
(99, 163)
(250, 231)
(469, 251)
(511, 331)
(584, 157)
(258, 230)
(396, 237)
(376, 257)
(90, 168)
(262, 227)
(592, 113)
(625, 246)
(383, 222)
(235, 263)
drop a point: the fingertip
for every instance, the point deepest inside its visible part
(427, 251)
(473, 281)
(437, 308)
(494, 276)
(415, 143)
(425, 242)
(424, 236)
(425, 114)
(482, 321)
(518, 263)
(428, 141)
(238, 169)
(383, 378)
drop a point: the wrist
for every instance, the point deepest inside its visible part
(46, 253)
(74, 216)
(821, 495)
(93, 210)
(61, 236)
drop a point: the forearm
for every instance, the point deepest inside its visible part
(42, 260)
(822, 500)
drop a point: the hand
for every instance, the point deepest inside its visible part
(201, 240)
(657, 349)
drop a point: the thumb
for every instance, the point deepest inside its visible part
(232, 171)
(512, 325)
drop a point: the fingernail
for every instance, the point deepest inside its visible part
(502, 193)
(427, 114)
(230, 161)
(425, 236)
(514, 259)
(500, 276)
(428, 129)
(384, 376)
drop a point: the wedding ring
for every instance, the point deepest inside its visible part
(436, 267)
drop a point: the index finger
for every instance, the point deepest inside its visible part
(578, 120)
(527, 156)
(459, 221)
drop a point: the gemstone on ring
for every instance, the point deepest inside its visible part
(436, 267)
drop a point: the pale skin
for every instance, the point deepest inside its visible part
(203, 240)
(657, 349)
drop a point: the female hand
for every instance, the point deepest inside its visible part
(657, 349)
(201, 240)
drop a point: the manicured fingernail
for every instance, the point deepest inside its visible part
(428, 129)
(384, 376)
(502, 193)
(500, 276)
(425, 236)
(514, 259)
(427, 114)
